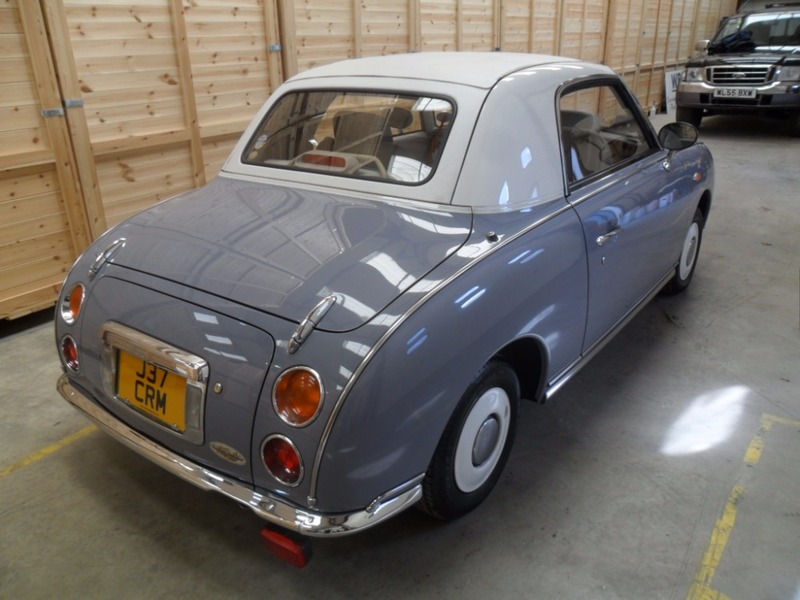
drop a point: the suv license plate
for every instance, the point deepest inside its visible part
(734, 92)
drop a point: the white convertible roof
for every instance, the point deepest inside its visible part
(468, 80)
(476, 69)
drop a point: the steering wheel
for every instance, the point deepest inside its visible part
(368, 159)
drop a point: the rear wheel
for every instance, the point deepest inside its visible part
(688, 261)
(693, 116)
(475, 444)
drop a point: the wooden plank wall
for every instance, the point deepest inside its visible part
(157, 91)
(639, 39)
(42, 226)
(168, 85)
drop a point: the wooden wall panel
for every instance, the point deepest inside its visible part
(132, 181)
(544, 27)
(172, 76)
(215, 152)
(323, 31)
(20, 123)
(630, 36)
(516, 22)
(157, 94)
(36, 248)
(646, 40)
(126, 97)
(583, 25)
(166, 87)
(622, 51)
(385, 27)
(42, 229)
(231, 70)
(476, 24)
(129, 77)
(438, 28)
(228, 47)
(329, 30)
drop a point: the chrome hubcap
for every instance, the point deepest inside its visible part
(485, 441)
(482, 440)
(689, 253)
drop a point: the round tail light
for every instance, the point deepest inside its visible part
(282, 460)
(69, 354)
(72, 302)
(297, 396)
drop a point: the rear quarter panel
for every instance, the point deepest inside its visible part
(389, 422)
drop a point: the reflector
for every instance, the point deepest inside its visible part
(289, 547)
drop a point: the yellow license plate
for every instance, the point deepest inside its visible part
(152, 390)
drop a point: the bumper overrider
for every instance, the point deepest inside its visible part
(276, 511)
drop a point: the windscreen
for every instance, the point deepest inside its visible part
(396, 138)
(771, 30)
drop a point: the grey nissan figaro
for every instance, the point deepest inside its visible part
(342, 323)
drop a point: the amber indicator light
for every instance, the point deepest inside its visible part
(298, 396)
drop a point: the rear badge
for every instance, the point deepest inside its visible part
(232, 455)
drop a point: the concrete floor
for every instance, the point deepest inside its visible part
(668, 469)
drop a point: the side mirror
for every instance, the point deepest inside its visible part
(701, 45)
(677, 136)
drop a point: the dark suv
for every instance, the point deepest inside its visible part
(752, 66)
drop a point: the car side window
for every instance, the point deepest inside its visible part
(599, 131)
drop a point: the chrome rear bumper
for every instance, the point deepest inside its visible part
(274, 510)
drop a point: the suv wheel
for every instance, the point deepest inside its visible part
(693, 116)
(794, 121)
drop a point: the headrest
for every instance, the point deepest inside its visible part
(400, 118)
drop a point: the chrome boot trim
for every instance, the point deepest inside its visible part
(105, 256)
(310, 322)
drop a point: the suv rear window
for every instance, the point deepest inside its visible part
(364, 135)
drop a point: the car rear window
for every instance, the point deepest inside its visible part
(363, 135)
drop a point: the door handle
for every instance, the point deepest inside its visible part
(602, 240)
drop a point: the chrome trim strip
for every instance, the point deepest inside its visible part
(270, 508)
(613, 178)
(326, 432)
(572, 370)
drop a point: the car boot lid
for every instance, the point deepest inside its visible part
(282, 250)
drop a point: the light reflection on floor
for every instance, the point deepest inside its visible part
(707, 422)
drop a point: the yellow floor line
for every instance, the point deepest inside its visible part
(701, 586)
(756, 448)
(43, 453)
(768, 420)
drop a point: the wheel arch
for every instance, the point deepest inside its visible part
(705, 205)
(528, 357)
